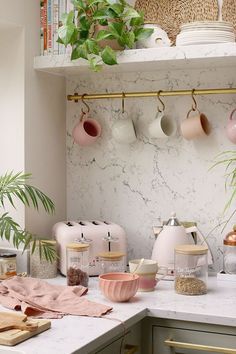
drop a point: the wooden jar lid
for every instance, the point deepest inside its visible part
(79, 247)
(191, 249)
(111, 255)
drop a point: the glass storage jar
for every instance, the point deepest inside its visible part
(191, 269)
(77, 264)
(7, 264)
(111, 262)
(230, 252)
(40, 267)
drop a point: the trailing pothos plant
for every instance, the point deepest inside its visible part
(16, 186)
(80, 29)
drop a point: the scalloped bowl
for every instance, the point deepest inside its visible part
(118, 287)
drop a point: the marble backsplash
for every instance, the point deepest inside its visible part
(135, 185)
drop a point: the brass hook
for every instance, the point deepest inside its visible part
(123, 103)
(162, 103)
(194, 105)
(87, 106)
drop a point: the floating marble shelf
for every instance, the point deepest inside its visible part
(152, 59)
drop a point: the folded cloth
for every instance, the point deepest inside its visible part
(36, 297)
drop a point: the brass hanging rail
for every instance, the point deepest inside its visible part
(98, 96)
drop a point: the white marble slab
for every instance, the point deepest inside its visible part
(208, 55)
(83, 334)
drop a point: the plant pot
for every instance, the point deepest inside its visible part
(112, 43)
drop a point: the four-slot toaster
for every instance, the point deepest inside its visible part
(102, 236)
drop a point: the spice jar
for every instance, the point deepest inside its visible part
(191, 269)
(7, 264)
(77, 263)
(111, 262)
(230, 252)
(40, 267)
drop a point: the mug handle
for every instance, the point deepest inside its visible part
(232, 113)
(163, 274)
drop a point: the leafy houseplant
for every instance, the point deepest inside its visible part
(15, 186)
(80, 29)
(228, 159)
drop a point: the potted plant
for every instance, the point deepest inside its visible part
(16, 186)
(82, 30)
(228, 159)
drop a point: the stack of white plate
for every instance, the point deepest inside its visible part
(205, 32)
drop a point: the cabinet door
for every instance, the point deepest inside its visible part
(168, 340)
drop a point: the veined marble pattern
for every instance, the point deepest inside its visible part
(134, 185)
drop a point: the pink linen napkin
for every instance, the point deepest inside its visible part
(36, 297)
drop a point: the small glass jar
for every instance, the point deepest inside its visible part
(111, 262)
(7, 264)
(77, 263)
(191, 269)
(230, 252)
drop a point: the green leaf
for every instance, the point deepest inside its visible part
(117, 8)
(100, 14)
(136, 21)
(129, 39)
(70, 18)
(131, 13)
(143, 33)
(84, 23)
(93, 63)
(66, 33)
(104, 34)
(116, 28)
(82, 51)
(108, 56)
(95, 2)
(92, 46)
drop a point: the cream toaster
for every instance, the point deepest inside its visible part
(101, 236)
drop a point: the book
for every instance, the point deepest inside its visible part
(45, 43)
(62, 10)
(41, 27)
(55, 44)
(49, 26)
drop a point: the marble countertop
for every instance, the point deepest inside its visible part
(81, 334)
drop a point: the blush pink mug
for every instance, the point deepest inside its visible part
(196, 126)
(231, 127)
(149, 273)
(86, 131)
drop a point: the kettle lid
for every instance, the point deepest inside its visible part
(173, 221)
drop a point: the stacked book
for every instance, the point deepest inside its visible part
(51, 12)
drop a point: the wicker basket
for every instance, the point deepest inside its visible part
(171, 14)
(229, 12)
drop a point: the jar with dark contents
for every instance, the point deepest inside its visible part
(77, 262)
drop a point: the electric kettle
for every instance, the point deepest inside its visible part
(170, 235)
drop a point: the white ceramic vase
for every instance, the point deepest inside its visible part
(159, 38)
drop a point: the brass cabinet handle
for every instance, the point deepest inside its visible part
(201, 347)
(131, 349)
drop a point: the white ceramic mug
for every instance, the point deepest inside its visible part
(123, 131)
(161, 127)
(149, 273)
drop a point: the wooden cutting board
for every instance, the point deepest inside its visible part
(22, 327)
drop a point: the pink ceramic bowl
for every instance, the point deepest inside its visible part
(118, 287)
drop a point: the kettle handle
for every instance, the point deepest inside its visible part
(202, 240)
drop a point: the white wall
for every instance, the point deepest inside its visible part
(41, 125)
(135, 185)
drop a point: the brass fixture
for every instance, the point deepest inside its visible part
(98, 96)
(199, 347)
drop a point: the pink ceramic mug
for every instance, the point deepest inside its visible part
(86, 131)
(196, 126)
(231, 127)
